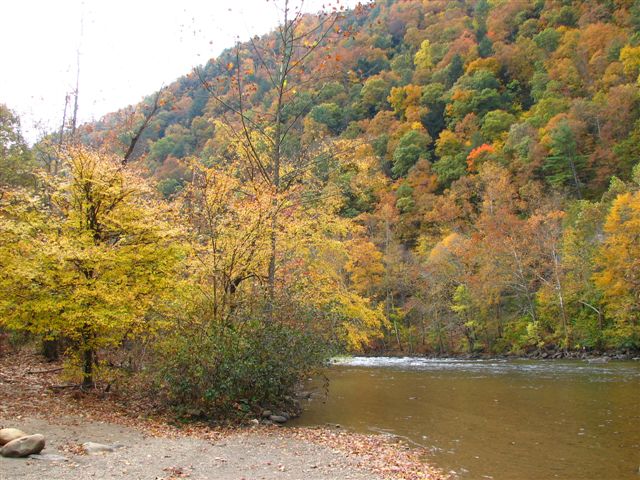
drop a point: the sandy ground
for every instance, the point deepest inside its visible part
(258, 454)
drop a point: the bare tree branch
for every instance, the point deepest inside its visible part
(136, 137)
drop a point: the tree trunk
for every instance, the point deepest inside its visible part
(574, 172)
(563, 312)
(87, 369)
(74, 119)
(276, 159)
(54, 167)
(397, 332)
(272, 270)
(51, 349)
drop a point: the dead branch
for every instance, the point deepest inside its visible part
(143, 127)
(51, 370)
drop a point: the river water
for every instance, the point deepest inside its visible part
(494, 419)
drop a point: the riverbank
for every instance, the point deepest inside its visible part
(593, 356)
(153, 446)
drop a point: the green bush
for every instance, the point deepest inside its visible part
(233, 371)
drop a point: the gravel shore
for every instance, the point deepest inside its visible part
(259, 454)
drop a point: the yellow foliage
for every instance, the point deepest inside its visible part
(444, 249)
(422, 59)
(630, 58)
(490, 64)
(448, 143)
(318, 242)
(619, 258)
(91, 261)
(364, 266)
(404, 98)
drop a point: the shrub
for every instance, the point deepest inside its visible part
(230, 371)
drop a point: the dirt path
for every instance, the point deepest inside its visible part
(250, 454)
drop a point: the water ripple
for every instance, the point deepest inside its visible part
(599, 372)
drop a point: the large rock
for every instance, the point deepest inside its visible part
(9, 434)
(277, 418)
(24, 446)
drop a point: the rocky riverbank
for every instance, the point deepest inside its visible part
(590, 356)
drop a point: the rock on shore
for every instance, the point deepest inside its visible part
(9, 434)
(23, 446)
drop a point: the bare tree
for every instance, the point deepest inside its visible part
(265, 134)
(76, 92)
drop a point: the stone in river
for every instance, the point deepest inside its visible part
(9, 434)
(277, 418)
(24, 446)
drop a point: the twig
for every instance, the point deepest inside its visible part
(51, 370)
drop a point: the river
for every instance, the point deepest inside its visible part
(494, 419)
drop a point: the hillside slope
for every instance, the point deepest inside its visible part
(485, 148)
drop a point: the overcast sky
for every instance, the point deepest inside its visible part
(128, 49)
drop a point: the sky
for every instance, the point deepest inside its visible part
(128, 49)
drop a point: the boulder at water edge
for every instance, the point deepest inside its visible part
(277, 418)
(24, 446)
(9, 434)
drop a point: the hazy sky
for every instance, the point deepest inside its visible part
(128, 49)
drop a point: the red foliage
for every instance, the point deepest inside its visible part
(476, 154)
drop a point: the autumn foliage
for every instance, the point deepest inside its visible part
(408, 176)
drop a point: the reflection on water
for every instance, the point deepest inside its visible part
(500, 419)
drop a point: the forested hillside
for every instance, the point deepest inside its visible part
(410, 176)
(484, 151)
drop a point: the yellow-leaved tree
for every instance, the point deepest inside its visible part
(229, 226)
(619, 262)
(320, 265)
(90, 260)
